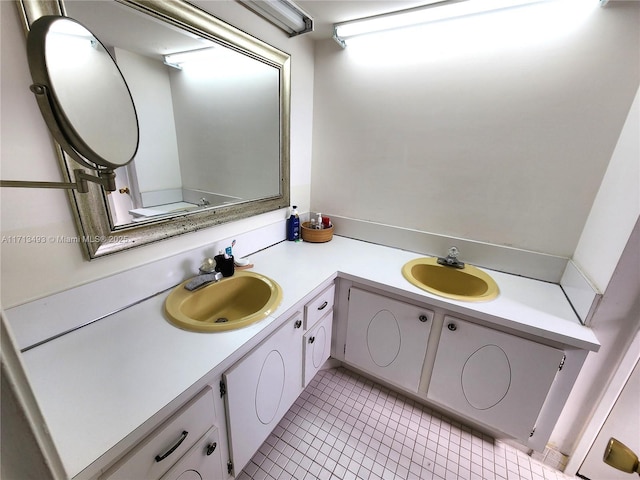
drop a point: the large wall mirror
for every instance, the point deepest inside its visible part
(213, 111)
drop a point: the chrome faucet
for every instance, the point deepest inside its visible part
(203, 202)
(451, 260)
(207, 275)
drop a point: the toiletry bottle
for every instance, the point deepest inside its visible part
(319, 221)
(293, 225)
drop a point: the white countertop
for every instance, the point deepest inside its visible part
(98, 384)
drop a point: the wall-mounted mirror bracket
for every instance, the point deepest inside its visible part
(106, 178)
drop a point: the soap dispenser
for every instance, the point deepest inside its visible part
(293, 225)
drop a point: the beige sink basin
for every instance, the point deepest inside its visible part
(231, 303)
(469, 284)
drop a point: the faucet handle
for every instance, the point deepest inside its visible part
(451, 260)
(208, 265)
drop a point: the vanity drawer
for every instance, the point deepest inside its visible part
(156, 454)
(202, 461)
(318, 307)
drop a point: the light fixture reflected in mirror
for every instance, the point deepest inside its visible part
(620, 457)
(80, 91)
(176, 60)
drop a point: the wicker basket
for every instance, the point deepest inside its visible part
(316, 236)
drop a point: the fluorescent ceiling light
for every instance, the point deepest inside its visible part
(176, 60)
(433, 11)
(283, 14)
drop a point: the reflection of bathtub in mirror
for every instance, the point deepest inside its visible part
(187, 201)
(140, 214)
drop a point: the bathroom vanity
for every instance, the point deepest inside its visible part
(482, 373)
(120, 393)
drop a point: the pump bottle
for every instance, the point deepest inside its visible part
(293, 225)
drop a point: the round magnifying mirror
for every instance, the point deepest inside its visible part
(82, 93)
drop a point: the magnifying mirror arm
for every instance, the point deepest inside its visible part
(106, 178)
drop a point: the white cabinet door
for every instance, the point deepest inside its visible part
(317, 347)
(387, 338)
(498, 379)
(260, 389)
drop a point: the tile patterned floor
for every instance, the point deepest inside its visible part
(345, 427)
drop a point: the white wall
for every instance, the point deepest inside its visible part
(497, 128)
(609, 253)
(614, 323)
(500, 135)
(616, 207)
(157, 163)
(622, 424)
(34, 270)
(227, 122)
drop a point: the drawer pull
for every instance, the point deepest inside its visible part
(312, 339)
(423, 318)
(323, 306)
(211, 448)
(298, 324)
(159, 458)
(452, 326)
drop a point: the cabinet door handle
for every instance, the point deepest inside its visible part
(323, 306)
(159, 458)
(211, 448)
(312, 339)
(298, 324)
(423, 318)
(452, 326)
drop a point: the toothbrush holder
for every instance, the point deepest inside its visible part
(225, 265)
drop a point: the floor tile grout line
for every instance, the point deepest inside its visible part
(353, 429)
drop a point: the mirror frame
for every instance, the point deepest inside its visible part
(99, 236)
